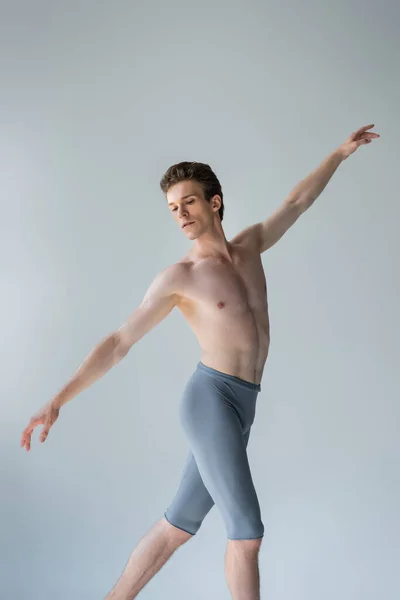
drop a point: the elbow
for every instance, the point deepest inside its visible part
(302, 203)
(121, 346)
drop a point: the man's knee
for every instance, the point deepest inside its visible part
(248, 547)
(176, 534)
(245, 526)
(184, 517)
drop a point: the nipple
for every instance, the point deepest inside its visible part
(221, 304)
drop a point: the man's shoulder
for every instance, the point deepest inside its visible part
(181, 268)
(174, 276)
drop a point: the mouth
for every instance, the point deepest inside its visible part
(186, 224)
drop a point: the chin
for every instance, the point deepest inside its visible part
(189, 233)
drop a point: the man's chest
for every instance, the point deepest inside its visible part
(235, 286)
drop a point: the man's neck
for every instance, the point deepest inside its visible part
(212, 243)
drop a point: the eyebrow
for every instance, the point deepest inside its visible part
(183, 198)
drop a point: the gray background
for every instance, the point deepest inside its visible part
(98, 99)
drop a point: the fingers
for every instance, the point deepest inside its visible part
(362, 132)
(362, 142)
(26, 441)
(27, 433)
(47, 416)
(27, 436)
(45, 431)
(361, 139)
(365, 128)
(369, 135)
(366, 138)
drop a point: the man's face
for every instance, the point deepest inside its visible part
(189, 208)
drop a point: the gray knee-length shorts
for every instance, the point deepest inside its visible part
(217, 411)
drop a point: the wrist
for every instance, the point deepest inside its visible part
(340, 154)
(55, 403)
(58, 401)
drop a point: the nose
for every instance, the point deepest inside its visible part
(182, 212)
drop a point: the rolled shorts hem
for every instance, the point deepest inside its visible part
(257, 537)
(177, 526)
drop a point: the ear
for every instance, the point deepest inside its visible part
(216, 202)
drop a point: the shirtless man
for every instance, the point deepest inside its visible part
(220, 288)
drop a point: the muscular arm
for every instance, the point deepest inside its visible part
(161, 297)
(266, 233)
(159, 300)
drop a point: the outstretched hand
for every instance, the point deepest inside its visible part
(357, 138)
(46, 416)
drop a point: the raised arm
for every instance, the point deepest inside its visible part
(160, 298)
(299, 200)
(265, 234)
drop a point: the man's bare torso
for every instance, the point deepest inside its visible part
(225, 303)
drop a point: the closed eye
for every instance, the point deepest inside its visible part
(190, 202)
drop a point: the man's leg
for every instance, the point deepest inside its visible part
(189, 508)
(192, 501)
(241, 564)
(151, 553)
(219, 446)
(183, 519)
(241, 569)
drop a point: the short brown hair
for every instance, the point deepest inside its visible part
(197, 171)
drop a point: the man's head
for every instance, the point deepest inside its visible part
(194, 194)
